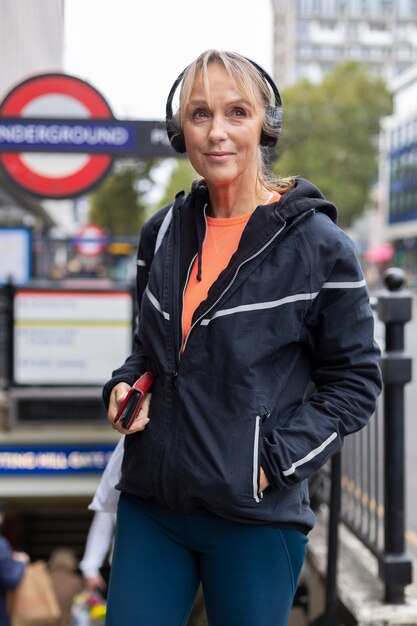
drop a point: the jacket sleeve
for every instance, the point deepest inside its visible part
(344, 358)
(135, 364)
(11, 571)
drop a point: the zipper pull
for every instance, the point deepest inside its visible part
(263, 414)
(174, 378)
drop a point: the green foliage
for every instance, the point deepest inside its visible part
(330, 135)
(118, 203)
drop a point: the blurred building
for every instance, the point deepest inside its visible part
(31, 39)
(312, 36)
(31, 42)
(398, 169)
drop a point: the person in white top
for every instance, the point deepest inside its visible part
(100, 535)
(98, 545)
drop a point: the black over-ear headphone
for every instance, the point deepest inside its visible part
(273, 114)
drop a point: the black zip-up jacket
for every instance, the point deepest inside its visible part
(291, 308)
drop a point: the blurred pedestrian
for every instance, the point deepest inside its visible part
(12, 568)
(247, 290)
(66, 580)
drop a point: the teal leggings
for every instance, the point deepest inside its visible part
(249, 572)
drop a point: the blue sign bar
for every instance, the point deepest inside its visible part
(143, 139)
(21, 460)
(55, 135)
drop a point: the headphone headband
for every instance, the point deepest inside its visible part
(274, 113)
(269, 80)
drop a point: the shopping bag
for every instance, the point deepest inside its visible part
(33, 602)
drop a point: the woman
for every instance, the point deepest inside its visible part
(247, 290)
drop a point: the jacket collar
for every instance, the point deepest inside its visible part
(263, 224)
(266, 223)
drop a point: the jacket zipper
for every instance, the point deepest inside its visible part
(174, 372)
(232, 281)
(257, 493)
(182, 343)
(174, 321)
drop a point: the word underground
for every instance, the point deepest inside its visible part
(69, 134)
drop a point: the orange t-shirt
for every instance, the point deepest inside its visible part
(221, 242)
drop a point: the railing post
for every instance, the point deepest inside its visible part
(394, 308)
(332, 601)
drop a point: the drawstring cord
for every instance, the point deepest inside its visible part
(199, 261)
(200, 243)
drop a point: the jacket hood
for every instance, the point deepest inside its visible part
(302, 198)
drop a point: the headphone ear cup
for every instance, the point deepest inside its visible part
(175, 135)
(274, 117)
(178, 142)
(267, 140)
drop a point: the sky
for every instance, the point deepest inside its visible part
(131, 51)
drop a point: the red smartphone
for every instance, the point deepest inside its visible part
(133, 401)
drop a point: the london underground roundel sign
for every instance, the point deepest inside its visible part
(40, 104)
(91, 240)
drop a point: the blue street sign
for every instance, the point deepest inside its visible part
(54, 459)
(85, 136)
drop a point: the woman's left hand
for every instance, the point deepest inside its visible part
(263, 480)
(117, 396)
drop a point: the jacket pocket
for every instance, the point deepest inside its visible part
(217, 453)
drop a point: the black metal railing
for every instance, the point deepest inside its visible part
(366, 482)
(362, 481)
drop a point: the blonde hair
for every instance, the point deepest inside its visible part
(253, 88)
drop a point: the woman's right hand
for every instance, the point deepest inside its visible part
(96, 582)
(118, 394)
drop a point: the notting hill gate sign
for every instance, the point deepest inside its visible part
(59, 137)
